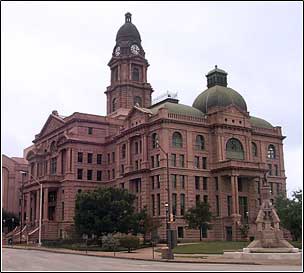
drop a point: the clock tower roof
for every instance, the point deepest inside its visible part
(128, 31)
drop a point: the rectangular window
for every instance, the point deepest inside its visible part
(99, 158)
(173, 160)
(79, 174)
(217, 205)
(140, 146)
(158, 181)
(158, 204)
(109, 158)
(157, 161)
(196, 162)
(53, 165)
(152, 162)
(113, 157)
(182, 204)
(109, 175)
(182, 181)
(278, 188)
(152, 182)
(229, 204)
(90, 158)
(180, 232)
(204, 232)
(174, 203)
(240, 185)
(122, 169)
(153, 204)
(205, 183)
(62, 210)
(122, 185)
(90, 130)
(216, 184)
(173, 179)
(205, 198)
(276, 170)
(259, 187)
(204, 163)
(182, 161)
(99, 175)
(136, 148)
(123, 151)
(197, 198)
(136, 165)
(89, 174)
(197, 182)
(270, 169)
(113, 173)
(243, 207)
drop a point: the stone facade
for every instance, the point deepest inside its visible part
(217, 155)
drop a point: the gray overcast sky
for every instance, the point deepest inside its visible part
(55, 55)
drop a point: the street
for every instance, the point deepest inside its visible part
(33, 260)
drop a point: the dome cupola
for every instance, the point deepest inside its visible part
(128, 32)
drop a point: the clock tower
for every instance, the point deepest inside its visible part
(128, 66)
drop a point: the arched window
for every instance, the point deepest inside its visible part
(137, 99)
(114, 105)
(271, 151)
(154, 140)
(254, 149)
(177, 140)
(200, 142)
(135, 74)
(234, 149)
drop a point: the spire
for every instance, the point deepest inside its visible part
(128, 16)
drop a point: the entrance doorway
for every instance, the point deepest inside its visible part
(228, 233)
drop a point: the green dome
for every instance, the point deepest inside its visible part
(177, 108)
(258, 122)
(219, 96)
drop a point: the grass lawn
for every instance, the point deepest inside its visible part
(211, 247)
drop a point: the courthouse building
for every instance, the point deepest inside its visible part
(218, 152)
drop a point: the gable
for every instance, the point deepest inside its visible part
(234, 110)
(51, 124)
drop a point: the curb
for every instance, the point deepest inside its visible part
(131, 258)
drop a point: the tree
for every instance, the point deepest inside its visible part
(144, 223)
(130, 242)
(290, 213)
(9, 220)
(103, 211)
(199, 216)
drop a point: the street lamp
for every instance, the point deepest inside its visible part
(40, 209)
(167, 205)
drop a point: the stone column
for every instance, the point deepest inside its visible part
(235, 207)
(144, 152)
(128, 155)
(37, 206)
(45, 204)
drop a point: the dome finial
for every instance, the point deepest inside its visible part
(215, 66)
(128, 16)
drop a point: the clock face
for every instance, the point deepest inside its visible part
(135, 49)
(117, 51)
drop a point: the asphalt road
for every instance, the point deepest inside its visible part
(33, 260)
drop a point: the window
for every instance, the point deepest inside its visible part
(157, 161)
(258, 187)
(197, 198)
(229, 204)
(99, 158)
(182, 181)
(276, 170)
(182, 161)
(270, 169)
(204, 163)
(180, 232)
(174, 203)
(199, 142)
(182, 204)
(53, 165)
(234, 149)
(197, 184)
(240, 184)
(158, 204)
(90, 158)
(123, 151)
(152, 162)
(153, 204)
(99, 175)
(217, 205)
(278, 188)
(113, 173)
(177, 140)
(216, 184)
(109, 158)
(136, 165)
(136, 147)
(271, 187)
(115, 74)
(205, 183)
(254, 149)
(205, 198)
(158, 181)
(173, 178)
(243, 207)
(79, 174)
(122, 185)
(271, 152)
(62, 210)
(89, 174)
(152, 182)
(204, 231)
(90, 131)
(137, 100)
(113, 157)
(196, 162)
(154, 140)
(122, 169)
(135, 74)
(114, 105)
(173, 160)
(109, 175)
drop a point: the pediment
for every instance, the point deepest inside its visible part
(138, 111)
(52, 123)
(234, 110)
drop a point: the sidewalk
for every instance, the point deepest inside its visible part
(147, 254)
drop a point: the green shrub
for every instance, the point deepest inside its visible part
(109, 242)
(129, 242)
